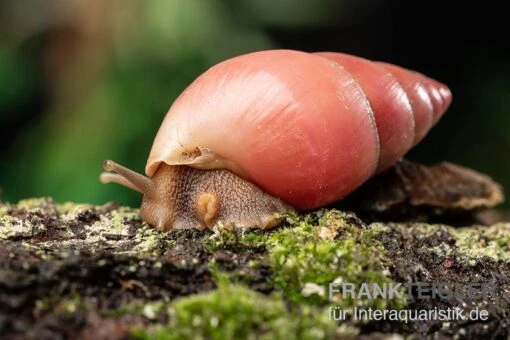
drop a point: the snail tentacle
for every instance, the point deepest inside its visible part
(126, 177)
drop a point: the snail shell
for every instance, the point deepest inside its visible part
(300, 129)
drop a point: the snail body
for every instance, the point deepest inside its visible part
(270, 131)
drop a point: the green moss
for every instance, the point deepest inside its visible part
(316, 249)
(328, 247)
(235, 312)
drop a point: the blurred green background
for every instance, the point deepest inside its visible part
(86, 80)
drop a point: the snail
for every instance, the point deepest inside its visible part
(265, 133)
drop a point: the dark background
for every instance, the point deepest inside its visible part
(83, 81)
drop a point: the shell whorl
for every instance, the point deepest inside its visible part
(405, 104)
(309, 128)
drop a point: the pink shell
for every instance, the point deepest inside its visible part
(308, 128)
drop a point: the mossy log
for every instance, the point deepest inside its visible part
(99, 272)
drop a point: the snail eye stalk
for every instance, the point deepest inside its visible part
(116, 173)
